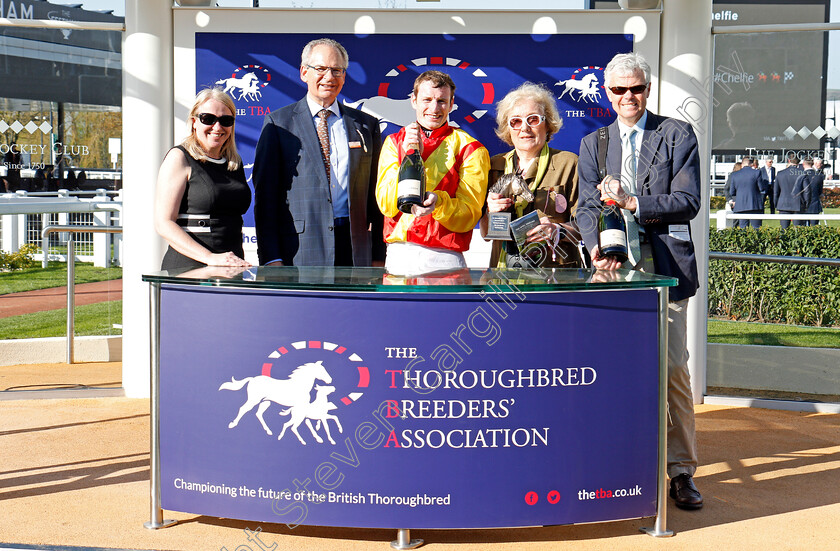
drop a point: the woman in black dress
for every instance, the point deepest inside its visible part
(201, 190)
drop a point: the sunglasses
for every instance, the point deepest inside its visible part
(210, 119)
(621, 90)
(531, 120)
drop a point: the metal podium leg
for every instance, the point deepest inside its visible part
(659, 530)
(154, 422)
(404, 541)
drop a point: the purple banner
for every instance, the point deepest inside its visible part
(261, 72)
(409, 410)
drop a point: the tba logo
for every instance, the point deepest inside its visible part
(585, 82)
(294, 391)
(245, 80)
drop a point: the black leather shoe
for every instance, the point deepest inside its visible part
(685, 493)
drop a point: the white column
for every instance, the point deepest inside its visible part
(685, 65)
(147, 135)
(11, 239)
(102, 241)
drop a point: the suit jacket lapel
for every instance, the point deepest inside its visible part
(651, 140)
(309, 138)
(354, 134)
(614, 150)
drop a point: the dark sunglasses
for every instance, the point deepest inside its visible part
(210, 119)
(621, 90)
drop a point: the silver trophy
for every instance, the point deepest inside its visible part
(511, 186)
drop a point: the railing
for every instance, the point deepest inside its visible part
(23, 204)
(723, 217)
(806, 260)
(71, 272)
(792, 405)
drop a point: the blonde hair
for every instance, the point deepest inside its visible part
(191, 144)
(537, 93)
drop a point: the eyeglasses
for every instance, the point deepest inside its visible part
(532, 120)
(621, 90)
(321, 71)
(210, 119)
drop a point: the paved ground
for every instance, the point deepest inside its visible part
(15, 304)
(76, 473)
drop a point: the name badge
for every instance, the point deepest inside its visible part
(355, 145)
(679, 231)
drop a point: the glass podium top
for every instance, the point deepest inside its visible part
(377, 280)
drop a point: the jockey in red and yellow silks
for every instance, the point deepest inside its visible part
(456, 171)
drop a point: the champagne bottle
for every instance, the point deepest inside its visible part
(612, 232)
(411, 180)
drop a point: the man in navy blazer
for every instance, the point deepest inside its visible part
(787, 194)
(745, 192)
(305, 213)
(811, 185)
(666, 199)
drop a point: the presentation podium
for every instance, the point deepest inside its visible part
(350, 397)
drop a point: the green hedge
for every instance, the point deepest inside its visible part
(772, 292)
(717, 202)
(831, 198)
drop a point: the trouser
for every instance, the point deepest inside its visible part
(682, 442)
(343, 243)
(742, 223)
(786, 223)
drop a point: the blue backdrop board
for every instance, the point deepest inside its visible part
(447, 410)
(261, 72)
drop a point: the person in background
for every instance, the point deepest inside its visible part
(745, 193)
(735, 168)
(811, 185)
(768, 177)
(786, 193)
(434, 236)
(201, 191)
(658, 160)
(13, 161)
(315, 173)
(527, 118)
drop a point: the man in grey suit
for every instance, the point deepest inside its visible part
(811, 185)
(786, 192)
(653, 174)
(315, 173)
(745, 192)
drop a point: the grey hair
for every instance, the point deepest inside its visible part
(537, 93)
(306, 55)
(626, 64)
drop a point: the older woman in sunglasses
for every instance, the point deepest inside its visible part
(527, 118)
(201, 190)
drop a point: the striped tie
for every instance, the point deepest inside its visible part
(324, 138)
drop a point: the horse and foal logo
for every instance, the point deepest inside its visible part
(294, 392)
(587, 86)
(248, 85)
